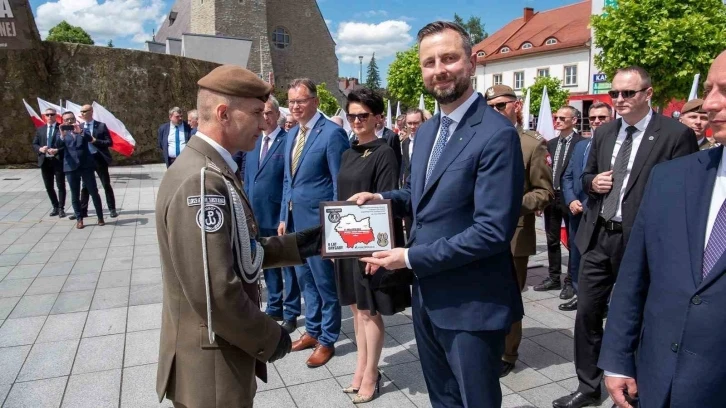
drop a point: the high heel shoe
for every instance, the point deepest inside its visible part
(362, 399)
(351, 390)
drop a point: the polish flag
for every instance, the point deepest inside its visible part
(123, 142)
(37, 120)
(43, 105)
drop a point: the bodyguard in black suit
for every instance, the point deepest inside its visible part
(79, 165)
(50, 161)
(414, 119)
(101, 156)
(173, 136)
(622, 154)
(560, 150)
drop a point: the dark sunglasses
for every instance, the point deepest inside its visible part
(361, 117)
(501, 105)
(84, 111)
(600, 118)
(562, 118)
(627, 94)
(49, 114)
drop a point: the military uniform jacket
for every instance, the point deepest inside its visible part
(538, 190)
(191, 370)
(705, 144)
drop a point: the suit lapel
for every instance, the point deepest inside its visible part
(424, 143)
(609, 147)
(647, 142)
(699, 190)
(310, 139)
(270, 150)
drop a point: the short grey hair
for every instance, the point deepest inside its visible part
(174, 110)
(193, 113)
(275, 102)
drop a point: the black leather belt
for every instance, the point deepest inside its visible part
(611, 225)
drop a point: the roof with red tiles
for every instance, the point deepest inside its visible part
(568, 25)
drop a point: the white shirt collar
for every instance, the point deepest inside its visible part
(272, 135)
(181, 126)
(458, 114)
(379, 133)
(642, 124)
(312, 121)
(226, 155)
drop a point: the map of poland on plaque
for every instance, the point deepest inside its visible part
(355, 231)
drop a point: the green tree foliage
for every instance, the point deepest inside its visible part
(373, 80)
(558, 97)
(110, 44)
(65, 32)
(474, 26)
(405, 82)
(328, 103)
(672, 40)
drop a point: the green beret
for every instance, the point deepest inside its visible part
(234, 80)
(500, 90)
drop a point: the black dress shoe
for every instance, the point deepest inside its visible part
(569, 306)
(61, 213)
(72, 217)
(113, 214)
(567, 292)
(54, 212)
(289, 325)
(275, 318)
(575, 400)
(506, 369)
(548, 284)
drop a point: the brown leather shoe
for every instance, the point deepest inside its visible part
(320, 356)
(304, 342)
(101, 223)
(79, 224)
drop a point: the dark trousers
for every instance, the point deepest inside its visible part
(170, 161)
(574, 264)
(514, 337)
(461, 368)
(279, 280)
(316, 278)
(600, 264)
(102, 171)
(89, 179)
(51, 169)
(553, 216)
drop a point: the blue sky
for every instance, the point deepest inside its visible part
(359, 28)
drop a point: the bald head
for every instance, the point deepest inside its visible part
(714, 102)
(87, 113)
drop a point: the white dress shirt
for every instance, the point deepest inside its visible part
(717, 198)
(410, 147)
(172, 142)
(272, 137)
(379, 132)
(637, 138)
(226, 155)
(89, 127)
(309, 125)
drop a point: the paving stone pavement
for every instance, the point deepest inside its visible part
(80, 313)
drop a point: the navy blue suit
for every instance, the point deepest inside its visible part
(315, 181)
(79, 165)
(263, 186)
(162, 136)
(465, 295)
(667, 325)
(572, 190)
(51, 167)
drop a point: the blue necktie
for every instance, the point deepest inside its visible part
(716, 242)
(439, 146)
(176, 138)
(587, 154)
(50, 136)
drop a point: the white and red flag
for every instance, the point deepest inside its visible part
(37, 120)
(123, 142)
(43, 105)
(75, 108)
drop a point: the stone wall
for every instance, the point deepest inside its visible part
(138, 87)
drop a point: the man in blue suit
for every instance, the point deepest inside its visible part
(173, 136)
(575, 198)
(312, 161)
(663, 341)
(465, 194)
(79, 165)
(263, 178)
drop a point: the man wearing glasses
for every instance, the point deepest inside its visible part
(560, 148)
(537, 195)
(621, 157)
(50, 161)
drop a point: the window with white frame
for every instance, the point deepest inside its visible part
(473, 81)
(571, 75)
(526, 45)
(551, 41)
(481, 54)
(519, 80)
(497, 79)
(543, 72)
(504, 50)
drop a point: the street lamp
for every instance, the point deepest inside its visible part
(360, 71)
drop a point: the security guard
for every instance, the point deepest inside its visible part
(214, 338)
(693, 116)
(538, 193)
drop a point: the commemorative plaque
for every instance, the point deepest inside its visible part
(353, 231)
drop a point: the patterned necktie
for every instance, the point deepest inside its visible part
(297, 152)
(612, 200)
(716, 242)
(439, 147)
(558, 163)
(265, 147)
(176, 139)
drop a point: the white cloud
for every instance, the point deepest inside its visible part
(112, 19)
(385, 39)
(372, 13)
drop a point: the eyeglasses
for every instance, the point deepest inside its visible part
(301, 102)
(501, 105)
(627, 94)
(85, 111)
(69, 120)
(361, 117)
(562, 118)
(49, 114)
(600, 118)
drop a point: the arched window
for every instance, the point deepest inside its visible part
(281, 38)
(504, 50)
(526, 45)
(551, 41)
(481, 54)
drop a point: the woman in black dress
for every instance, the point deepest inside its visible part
(369, 165)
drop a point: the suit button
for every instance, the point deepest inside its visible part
(696, 300)
(674, 347)
(419, 225)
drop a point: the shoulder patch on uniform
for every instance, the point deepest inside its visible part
(534, 135)
(193, 201)
(210, 218)
(548, 159)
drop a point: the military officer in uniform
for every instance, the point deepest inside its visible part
(214, 337)
(693, 116)
(538, 193)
